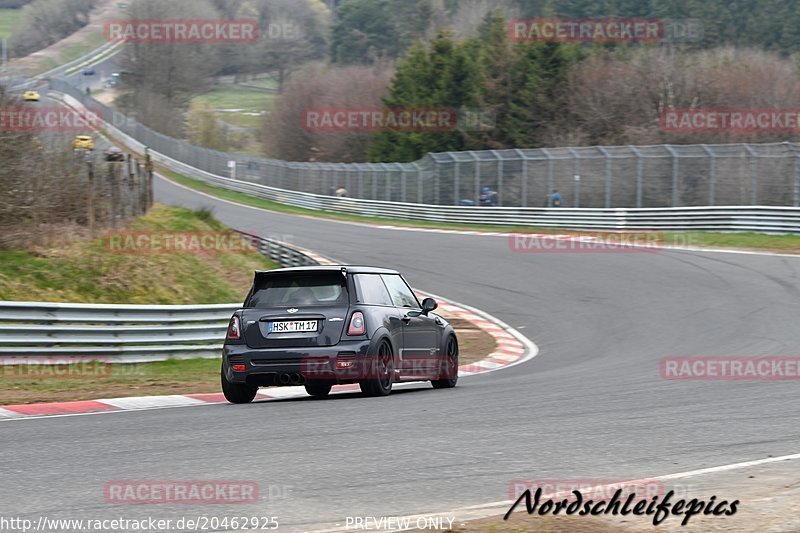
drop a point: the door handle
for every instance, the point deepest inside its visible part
(406, 319)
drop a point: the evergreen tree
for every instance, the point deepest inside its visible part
(440, 77)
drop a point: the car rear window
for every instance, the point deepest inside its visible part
(295, 290)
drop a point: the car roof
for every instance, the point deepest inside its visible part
(350, 269)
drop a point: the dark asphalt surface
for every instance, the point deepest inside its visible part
(592, 405)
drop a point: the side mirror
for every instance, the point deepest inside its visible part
(428, 305)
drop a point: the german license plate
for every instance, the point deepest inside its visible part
(293, 326)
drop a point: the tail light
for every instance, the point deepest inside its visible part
(356, 326)
(234, 329)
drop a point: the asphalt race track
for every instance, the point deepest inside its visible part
(591, 405)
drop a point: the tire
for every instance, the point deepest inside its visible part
(449, 376)
(318, 389)
(381, 372)
(237, 392)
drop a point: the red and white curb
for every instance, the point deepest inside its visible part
(512, 349)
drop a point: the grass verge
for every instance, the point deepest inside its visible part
(746, 241)
(23, 385)
(90, 271)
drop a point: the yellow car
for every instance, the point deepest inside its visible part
(83, 142)
(31, 96)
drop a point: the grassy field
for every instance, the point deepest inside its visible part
(750, 241)
(246, 101)
(91, 272)
(9, 18)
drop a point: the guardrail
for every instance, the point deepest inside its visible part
(745, 218)
(731, 218)
(125, 333)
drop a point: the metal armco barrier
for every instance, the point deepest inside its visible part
(125, 333)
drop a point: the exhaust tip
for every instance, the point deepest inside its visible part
(284, 379)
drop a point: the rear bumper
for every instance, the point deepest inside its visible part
(347, 362)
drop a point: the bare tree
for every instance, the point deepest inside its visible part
(45, 22)
(173, 70)
(318, 88)
(619, 98)
(203, 128)
(293, 32)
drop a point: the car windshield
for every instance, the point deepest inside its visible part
(317, 288)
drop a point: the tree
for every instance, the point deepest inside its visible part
(172, 70)
(41, 180)
(293, 32)
(370, 31)
(203, 128)
(316, 88)
(441, 76)
(45, 22)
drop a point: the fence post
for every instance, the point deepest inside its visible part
(403, 184)
(388, 176)
(456, 179)
(753, 174)
(524, 178)
(301, 178)
(577, 157)
(712, 175)
(500, 175)
(639, 172)
(674, 174)
(608, 176)
(419, 182)
(477, 174)
(282, 176)
(398, 167)
(551, 177)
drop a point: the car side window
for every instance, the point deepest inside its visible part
(371, 290)
(400, 293)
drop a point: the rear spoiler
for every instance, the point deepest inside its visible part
(261, 274)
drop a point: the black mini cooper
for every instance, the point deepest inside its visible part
(326, 325)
